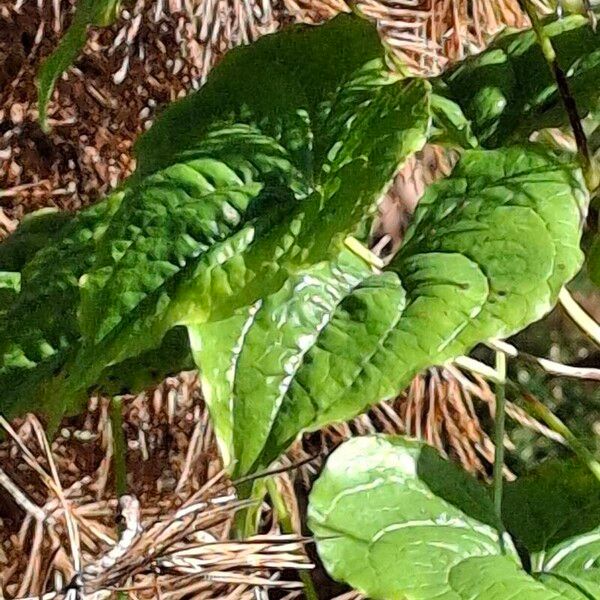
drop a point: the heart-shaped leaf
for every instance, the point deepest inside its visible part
(488, 252)
(397, 522)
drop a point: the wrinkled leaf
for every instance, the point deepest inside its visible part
(249, 360)
(488, 251)
(40, 325)
(242, 202)
(279, 84)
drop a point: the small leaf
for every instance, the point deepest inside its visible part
(508, 91)
(87, 12)
(450, 126)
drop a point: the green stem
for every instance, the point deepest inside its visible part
(246, 520)
(285, 521)
(543, 413)
(119, 446)
(499, 429)
(590, 172)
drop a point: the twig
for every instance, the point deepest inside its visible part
(20, 498)
(72, 530)
(476, 366)
(550, 366)
(579, 316)
(363, 252)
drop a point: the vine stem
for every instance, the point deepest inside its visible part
(119, 446)
(285, 521)
(579, 316)
(590, 172)
(499, 429)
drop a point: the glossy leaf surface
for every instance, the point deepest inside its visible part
(488, 251)
(396, 521)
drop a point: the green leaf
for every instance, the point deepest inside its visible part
(396, 521)
(87, 12)
(168, 222)
(508, 91)
(279, 84)
(10, 283)
(236, 210)
(260, 350)
(571, 587)
(372, 123)
(36, 230)
(488, 251)
(450, 126)
(541, 524)
(39, 327)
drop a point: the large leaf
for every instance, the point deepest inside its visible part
(241, 204)
(103, 292)
(487, 253)
(87, 12)
(508, 91)
(396, 521)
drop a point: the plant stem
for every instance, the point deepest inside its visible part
(119, 446)
(499, 429)
(579, 316)
(246, 521)
(590, 172)
(285, 521)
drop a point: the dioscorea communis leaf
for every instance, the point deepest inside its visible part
(398, 522)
